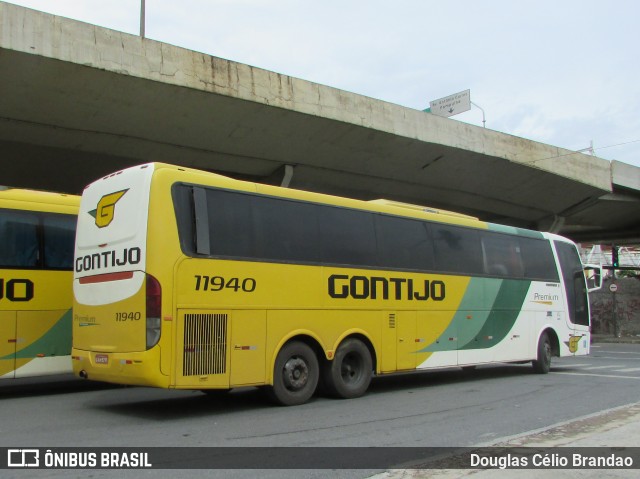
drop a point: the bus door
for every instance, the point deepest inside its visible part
(407, 346)
(577, 297)
(7, 343)
(399, 349)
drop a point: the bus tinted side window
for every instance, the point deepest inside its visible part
(231, 224)
(457, 249)
(537, 259)
(58, 237)
(184, 211)
(502, 255)
(19, 239)
(244, 225)
(404, 243)
(347, 236)
(286, 230)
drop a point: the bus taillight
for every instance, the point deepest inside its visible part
(154, 301)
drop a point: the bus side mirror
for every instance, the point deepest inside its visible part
(593, 275)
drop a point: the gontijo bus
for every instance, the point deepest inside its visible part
(190, 280)
(37, 231)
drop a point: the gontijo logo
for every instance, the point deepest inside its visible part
(105, 211)
(573, 343)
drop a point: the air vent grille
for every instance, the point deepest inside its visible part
(205, 344)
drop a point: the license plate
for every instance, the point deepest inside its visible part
(102, 359)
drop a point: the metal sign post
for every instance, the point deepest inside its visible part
(142, 19)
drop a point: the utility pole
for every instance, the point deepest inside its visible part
(142, 19)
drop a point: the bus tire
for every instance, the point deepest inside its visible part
(349, 374)
(542, 364)
(295, 374)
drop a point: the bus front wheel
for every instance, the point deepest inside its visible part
(542, 364)
(349, 374)
(295, 374)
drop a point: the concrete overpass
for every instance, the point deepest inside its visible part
(78, 101)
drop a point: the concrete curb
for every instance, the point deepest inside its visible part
(617, 427)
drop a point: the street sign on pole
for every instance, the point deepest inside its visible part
(452, 104)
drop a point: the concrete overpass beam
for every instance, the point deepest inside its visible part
(288, 175)
(85, 100)
(551, 224)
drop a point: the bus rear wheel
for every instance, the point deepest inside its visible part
(542, 364)
(295, 374)
(349, 374)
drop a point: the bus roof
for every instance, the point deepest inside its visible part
(426, 209)
(24, 199)
(384, 206)
(378, 206)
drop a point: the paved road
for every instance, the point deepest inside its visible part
(446, 408)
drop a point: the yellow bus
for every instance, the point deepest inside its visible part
(190, 280)
(37, 232)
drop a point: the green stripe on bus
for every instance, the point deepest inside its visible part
(55, 342)
(487, 312)
(481, 293)
(504, 313)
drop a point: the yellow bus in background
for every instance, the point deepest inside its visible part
(37, 233)
(190, 280)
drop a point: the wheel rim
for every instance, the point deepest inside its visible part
(351, 368)
(295, 374)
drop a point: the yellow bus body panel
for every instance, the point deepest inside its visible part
(114, 327)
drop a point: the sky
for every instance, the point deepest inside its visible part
(562, 72)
